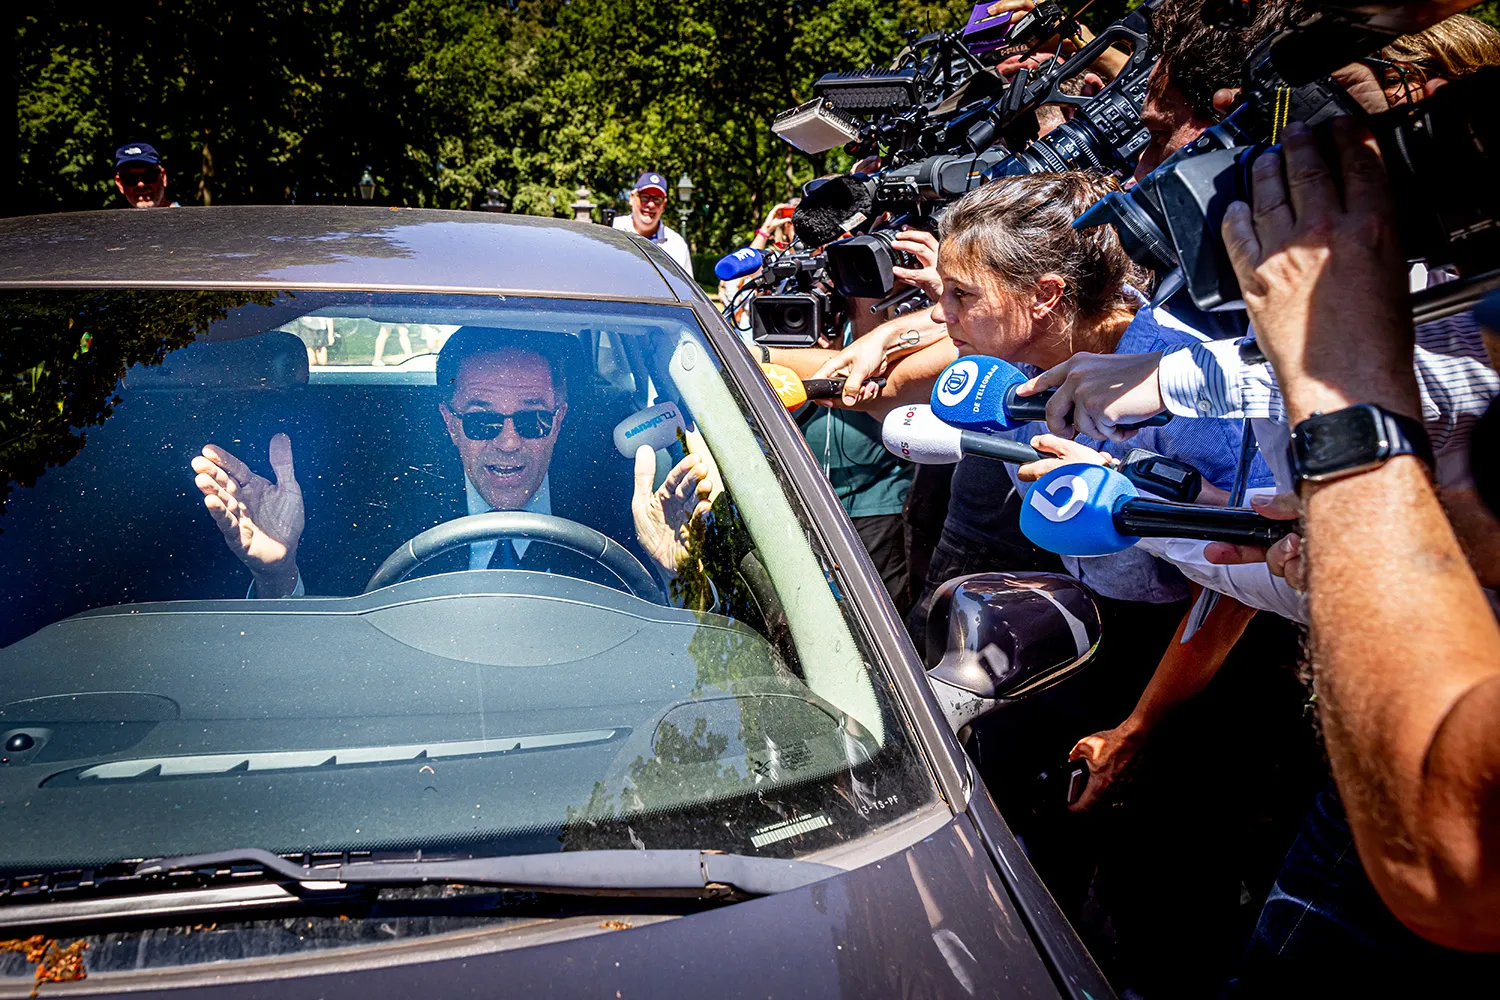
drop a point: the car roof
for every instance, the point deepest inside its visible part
(333, 247)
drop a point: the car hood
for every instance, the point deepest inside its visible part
(932, 920)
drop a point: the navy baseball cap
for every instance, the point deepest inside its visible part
(651, 179)
(136, 152)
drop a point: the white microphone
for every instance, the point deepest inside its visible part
(914, 433)
(657, 426)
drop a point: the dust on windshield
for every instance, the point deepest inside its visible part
(348, 572)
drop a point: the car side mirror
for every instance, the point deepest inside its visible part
(995, 637)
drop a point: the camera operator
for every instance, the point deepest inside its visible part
(1415, 763)
(870, 482)
(1211, 380)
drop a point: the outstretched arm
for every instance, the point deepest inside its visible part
(1410, 689)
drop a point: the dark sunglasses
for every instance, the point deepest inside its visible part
(486, 425)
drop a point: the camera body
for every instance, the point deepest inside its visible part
(1441, 154)
(800, 305)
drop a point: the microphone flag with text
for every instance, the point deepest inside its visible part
(914, 433)
(1088, 510)
(659, 426)
(746, 260)
(978, 393)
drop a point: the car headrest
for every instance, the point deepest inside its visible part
(275, 360)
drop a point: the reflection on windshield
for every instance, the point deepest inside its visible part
(541, 589)
(65, 352)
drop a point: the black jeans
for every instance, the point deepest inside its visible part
(1325, 932)
(885, 539)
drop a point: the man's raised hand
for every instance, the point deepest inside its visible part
(664, 517)
(261, 521)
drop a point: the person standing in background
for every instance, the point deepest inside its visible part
(140, 177)
(648, 200)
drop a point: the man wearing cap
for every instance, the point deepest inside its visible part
(648, 200)
(140, 176)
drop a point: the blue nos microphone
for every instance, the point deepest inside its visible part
(746, 260)
(1088, 510)
(978, 393)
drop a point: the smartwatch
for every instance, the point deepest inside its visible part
(1329, 446)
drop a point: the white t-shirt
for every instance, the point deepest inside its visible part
(668, 239)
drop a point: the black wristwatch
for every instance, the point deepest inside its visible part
(1328, 446)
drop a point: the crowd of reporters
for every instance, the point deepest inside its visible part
(1297, 732)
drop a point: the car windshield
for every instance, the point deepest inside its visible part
(338, 571)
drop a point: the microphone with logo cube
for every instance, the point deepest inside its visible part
(1088, 510)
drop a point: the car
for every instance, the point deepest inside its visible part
(719, 771)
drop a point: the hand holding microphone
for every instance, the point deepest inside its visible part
(1103, 396)
(793, 390)
(1088, 510)
(915, 433)
(980, 393)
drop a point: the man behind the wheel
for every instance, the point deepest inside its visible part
(504, 407)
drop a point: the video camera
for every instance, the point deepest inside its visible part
(939, 118)
(1441, 154)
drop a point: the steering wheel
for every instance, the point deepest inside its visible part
(496, 524)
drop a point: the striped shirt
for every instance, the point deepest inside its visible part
(1210, 446)
(1453, 375)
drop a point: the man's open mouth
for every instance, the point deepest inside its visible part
(504, 471)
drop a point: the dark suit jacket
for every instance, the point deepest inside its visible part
(352, 528)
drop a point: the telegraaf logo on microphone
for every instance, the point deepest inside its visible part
(955, 385)
(1073, 491)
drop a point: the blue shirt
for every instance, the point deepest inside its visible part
(1212, 446)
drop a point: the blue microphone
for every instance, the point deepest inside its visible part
(978, 393)
(1088, 510)
(743, 261)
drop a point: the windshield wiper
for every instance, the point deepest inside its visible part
(700, 874)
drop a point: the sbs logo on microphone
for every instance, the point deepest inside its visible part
(956, 382)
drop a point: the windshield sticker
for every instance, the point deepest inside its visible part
(788, 829)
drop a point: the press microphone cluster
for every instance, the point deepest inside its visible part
(978, 393)
(1088, 510)
(914, 432)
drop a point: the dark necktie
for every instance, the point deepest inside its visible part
(505, 556)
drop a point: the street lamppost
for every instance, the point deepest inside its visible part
(492, 202)
(366, 187)
(685, 203)
(583, 209)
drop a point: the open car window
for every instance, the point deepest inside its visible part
(153, 704)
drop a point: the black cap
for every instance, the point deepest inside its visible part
(136, 152)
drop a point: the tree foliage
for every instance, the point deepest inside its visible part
(271, 101)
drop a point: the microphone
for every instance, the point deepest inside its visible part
(743, 261)
(1088, 510)
(915, 434)
(793, 391)
(978, 393)
(657, 426)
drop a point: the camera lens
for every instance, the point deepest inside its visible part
(794, 319)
